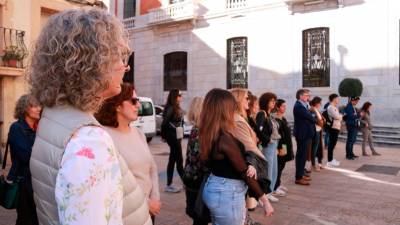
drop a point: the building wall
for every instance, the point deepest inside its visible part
(364, 43)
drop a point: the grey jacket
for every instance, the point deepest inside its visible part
(366, 123)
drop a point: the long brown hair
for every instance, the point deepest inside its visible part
(366, 106)
(216, 116)
(107, 114)
(172, 101)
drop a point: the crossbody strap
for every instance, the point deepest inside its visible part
(5, 156)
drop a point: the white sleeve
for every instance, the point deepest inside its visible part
(88, 186)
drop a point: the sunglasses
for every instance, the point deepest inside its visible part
(134, 101)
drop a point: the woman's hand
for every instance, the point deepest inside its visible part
(251, 172)
(154, 207)
(268, 209)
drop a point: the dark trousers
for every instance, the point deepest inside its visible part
(191, 196)
(26, 209)
(317, 148)
(351, 140)
(281, 166)
(175, 156)
(301, 156)
(333, 138)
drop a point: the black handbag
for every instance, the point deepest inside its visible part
(200, 209)
(9, 191)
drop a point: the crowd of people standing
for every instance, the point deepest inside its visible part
(99, 169)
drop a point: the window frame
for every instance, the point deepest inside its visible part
(316, 77)
(172, 81)
(244, 66)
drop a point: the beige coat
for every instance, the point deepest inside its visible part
(245, 134)
(54, 131)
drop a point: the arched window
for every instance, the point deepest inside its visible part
(237, 69)
(316, 61)
(175, 71)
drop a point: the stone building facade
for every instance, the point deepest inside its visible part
(266, 45)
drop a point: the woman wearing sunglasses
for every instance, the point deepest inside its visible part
(116, 114)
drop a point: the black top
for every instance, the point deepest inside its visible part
(21, 138)
(170, 121)
(286, 138)
(227, 159)
(264, 125)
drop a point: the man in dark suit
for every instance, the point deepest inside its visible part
(352, 126)
(304, 130)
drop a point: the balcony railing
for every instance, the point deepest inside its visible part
(129, 23)
(241, 4)
(12, 47)
(175, 12)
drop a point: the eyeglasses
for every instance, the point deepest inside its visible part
(134, 101)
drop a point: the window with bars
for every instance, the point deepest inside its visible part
(237, 68)
(316, 61)
(175, 71)
(129, 8)
(129, 77)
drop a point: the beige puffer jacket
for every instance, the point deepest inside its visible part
(55, 129)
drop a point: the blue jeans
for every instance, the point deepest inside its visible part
(272, 159)
(351, 140)
(326, 138)
(226, 200)
(315, 146)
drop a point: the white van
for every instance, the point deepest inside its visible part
(147, 118)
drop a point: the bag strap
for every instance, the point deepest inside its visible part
(5, 156)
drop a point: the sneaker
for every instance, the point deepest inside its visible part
(272, 198)
(332, 164)
(335, 162)
(172, 189)
(283, 188)
(279, 193)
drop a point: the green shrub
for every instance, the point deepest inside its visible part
(350, 87)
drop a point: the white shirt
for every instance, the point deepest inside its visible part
(88, 185)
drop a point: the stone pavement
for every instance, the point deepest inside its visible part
(339, 196)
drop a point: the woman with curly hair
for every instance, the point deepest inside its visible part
(20, 138)
(78, 61)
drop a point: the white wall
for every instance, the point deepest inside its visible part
(364, 43)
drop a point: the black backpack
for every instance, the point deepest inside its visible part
(328, 119)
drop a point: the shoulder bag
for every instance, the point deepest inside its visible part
(9, 191)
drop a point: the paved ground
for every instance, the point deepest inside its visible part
(336, 197)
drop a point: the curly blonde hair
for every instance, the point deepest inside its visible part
(22, 105)
(73, 54)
